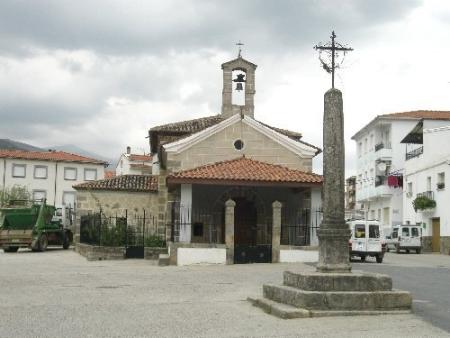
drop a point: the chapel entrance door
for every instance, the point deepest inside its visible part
(246, 247)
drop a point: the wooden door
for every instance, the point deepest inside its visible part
(436, 236)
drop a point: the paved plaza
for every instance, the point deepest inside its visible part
(60, 294)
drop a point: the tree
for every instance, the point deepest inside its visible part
(16, 192)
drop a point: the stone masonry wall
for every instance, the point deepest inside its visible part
(220, 147)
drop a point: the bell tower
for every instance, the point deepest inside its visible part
(244, 81)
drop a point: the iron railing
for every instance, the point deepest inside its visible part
(414, 153)
(428, 194)
(299, 227)
(97, 228)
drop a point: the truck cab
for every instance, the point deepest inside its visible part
(366, 240)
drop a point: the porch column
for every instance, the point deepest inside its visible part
(229, 230)
(185, 213)
(276, 231)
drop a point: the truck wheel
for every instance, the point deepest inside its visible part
(363, 259)
(11, 249)
(43, 243)
(379, 259)
(397, 249)
(407, 250)
(66, 242)
(418, 251)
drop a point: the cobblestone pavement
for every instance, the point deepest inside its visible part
(59, 294)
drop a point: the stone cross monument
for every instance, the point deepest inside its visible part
(332, 289)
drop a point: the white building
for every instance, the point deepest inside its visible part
(381, 164)
(49, 174)
(134, 164)
(427, 171)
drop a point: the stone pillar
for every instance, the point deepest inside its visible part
(334, 233)
(229, 230)
(186, 213)
(276, 231)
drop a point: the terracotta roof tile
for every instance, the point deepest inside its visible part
(245, 169)
(421, 114)
(48, 156)
(141, 183)
(109, 173)
(142, 158)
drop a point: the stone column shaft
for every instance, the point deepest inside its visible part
(276, 231)
(334, 232)
(229, 230)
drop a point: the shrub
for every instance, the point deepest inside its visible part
(423, 202)
(154, 242)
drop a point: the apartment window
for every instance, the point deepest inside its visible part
(19, 170)
(371, 145)
(372, 214)
(40, 171)
(39, 194)
(359, 149)
(68, 198)
(410, 189)
(441, 181)
(70, 174)
(365, 145)
(90, 174)
(379, 215)
(428, 183)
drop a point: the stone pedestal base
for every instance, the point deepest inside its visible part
(333, 294)
(333, 250)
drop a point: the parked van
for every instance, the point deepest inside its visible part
(366, 240)
(406, 237)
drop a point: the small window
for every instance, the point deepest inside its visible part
(374, 231)
(39, 194)
(70, 174)
(198, 229)
(414, 232)
(19, 170)
(238, 144)
(405, 232)
(441, 181)
(360, 231)
(90, 174)
(395, 233)
(68, 198)
(40, 171)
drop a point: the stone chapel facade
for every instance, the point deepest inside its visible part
(225, 188)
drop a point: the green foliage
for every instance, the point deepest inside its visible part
(113, 235)
(16, 192)
(423, 202)
(154, 242)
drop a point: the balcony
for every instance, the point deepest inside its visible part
(414, 153)
(428, 194)
(382, 145)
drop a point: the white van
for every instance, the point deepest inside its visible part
(406, 237)
(366, 240)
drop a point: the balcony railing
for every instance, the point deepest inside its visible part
(414, 153)
(428, 194)
(382, 145)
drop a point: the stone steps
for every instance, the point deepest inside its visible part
(338, 300)
(280, 310)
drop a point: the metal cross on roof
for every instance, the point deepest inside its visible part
(333, 47)
(239, 44)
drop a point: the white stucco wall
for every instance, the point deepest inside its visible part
(191, 256)
(297, 256)
(54, 185)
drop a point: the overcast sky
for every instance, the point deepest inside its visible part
(99, 74)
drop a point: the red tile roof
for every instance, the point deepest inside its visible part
(421, 114)
(243, 170)
(60, 156)
(136, 183)
(142, 158)
(109, 173)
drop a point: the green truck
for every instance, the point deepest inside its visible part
(32, 224)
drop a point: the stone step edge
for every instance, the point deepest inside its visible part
(280, 310)
(285, 311)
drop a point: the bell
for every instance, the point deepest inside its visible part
(239, 86)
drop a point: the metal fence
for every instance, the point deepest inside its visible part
(125, 229)
(299, 226)
(206, 225)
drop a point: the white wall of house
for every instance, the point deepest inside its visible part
(50, 179)
(124, 165)
(381, 202)
(424, 172)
